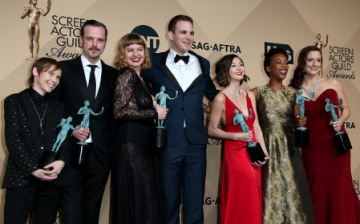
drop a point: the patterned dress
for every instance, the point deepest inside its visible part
(286, 195)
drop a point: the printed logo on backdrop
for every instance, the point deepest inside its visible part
(216, 47)
(34, 13)
(211, 201)
(67, 32)
(341, 59)
(286, 47)
(150, 36)
(356, 184)
(349, 125)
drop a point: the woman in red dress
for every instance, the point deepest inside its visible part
(328, 170)
(241, 179)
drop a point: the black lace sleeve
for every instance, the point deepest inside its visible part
(125, 103)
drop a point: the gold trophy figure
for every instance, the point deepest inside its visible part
(34, 14)
(320, 44)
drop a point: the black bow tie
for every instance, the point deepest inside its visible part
(184, 58)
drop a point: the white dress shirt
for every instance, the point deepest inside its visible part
(185, 74)
(87, 71)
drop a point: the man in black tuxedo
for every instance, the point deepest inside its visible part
(88, 78)
(31, 118)
(184, 160)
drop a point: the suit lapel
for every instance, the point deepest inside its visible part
(79, 74)
(167, 70)
(201, 76)
(32, 117)
(104, 84)
(50, 129)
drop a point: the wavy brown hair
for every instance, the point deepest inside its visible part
(299, 72)
(43, 65)
(222, 67)
(129, 39)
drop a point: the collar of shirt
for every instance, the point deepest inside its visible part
(87, 71)
(36, 97)
(86, 62)
(172, 54)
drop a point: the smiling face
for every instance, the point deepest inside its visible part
(46, 81)
(278, 67)
(183, 38)
(313, 63)
(134, 56)
(237, 69)
(93, 42)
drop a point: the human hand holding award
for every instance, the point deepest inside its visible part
(50, 156)
(254, 149)
(82, 149)
(302, 133)
(341, 139)
(161, 133)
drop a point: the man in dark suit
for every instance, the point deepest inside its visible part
(184, 160)
(31, 118)
(88, 78)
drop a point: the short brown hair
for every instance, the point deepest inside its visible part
(173, 22)
(129, 39)
(222, 67)
(43, 65)
(93, 23)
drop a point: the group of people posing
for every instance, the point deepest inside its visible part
(149, 185)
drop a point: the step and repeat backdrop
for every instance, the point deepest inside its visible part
(245, 28)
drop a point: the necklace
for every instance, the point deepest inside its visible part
(309, 90)
(232, 93)
(40, 119)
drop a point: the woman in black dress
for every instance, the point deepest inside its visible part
(136, 184)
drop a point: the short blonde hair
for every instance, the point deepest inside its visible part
(129, 39)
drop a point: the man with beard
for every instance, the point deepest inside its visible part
(88, 78)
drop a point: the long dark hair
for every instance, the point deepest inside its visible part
(299, 72)
(222, 68)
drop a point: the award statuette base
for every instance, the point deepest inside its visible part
(46, 158)
(255, 151)
(302, 137)
(160, 136)
(342, 142)
(81, 153)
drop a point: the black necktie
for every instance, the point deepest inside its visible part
(92, 85)
(184, 58)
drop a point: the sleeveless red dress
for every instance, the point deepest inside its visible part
(240, 200)
(328, 171)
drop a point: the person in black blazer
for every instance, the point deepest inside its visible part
(31, 118)
(84, 186)
(184, 160)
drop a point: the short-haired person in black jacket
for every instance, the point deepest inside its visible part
(31, 118)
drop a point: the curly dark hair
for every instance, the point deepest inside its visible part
(268, 57)
(299, 72)
(222, 68)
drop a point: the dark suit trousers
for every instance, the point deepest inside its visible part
(81, 202)
(184, 167)
(44, 196)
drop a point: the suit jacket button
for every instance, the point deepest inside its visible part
(183, 108)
